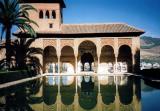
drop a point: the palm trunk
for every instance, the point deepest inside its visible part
(8, 47)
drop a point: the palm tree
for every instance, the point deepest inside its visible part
(11, 14)
(25, 55)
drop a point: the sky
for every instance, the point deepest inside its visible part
(142, 14)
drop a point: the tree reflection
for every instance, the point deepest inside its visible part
(19, 97)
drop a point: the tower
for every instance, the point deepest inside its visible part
(48, 16)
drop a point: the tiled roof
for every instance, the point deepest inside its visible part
(98, 28)
(91, 30)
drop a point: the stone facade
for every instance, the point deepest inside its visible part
(52, 32)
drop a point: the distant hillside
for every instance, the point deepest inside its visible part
(149, 42)
(150, 49)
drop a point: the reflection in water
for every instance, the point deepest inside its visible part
(96, 94)
(19, 97)
(78, 93)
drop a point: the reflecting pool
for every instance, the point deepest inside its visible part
(82, 93)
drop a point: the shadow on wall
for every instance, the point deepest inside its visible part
(125, 55)
(137, 61)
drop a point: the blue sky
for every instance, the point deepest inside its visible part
(143, 14)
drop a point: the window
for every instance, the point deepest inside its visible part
(50, 25)
(47, 14)
(53, 14)
(41, 14)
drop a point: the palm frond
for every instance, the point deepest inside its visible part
(29, 42)
(27, 7)
(33, 50)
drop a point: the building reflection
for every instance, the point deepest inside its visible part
(114, 93)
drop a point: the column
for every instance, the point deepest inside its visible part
(98, 66)
(76, 63)
(98, 53)
(116, 53)
(58, 54)
(116, 60)
(99, 98)
(58, 64)
(135, 47)
(133, 61)
(59, 86)
(59, 76)
(76, 54)
(50, 14)
(76, 72)
(76, 85)
(44, 14)
(115, 68)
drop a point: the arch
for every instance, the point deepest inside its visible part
(107, 59)
(122, 45)
(68, 53)
(50, 54)
(67, 48)
(67, 59)
(50, 58)
(107, 54)
(87, 58)
(53, 14)
(41, 14)
(125, 55)
(47, 14)
(87, 53)
(90, 41)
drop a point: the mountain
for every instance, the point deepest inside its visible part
(150, 49)
(149, 42)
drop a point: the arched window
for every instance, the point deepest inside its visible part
(47, 14)
(53, 14)
(41, 14)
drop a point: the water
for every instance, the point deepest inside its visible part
(150, 96)
(82, 93)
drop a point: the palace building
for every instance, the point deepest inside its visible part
(75, 48)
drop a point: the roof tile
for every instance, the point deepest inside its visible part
(97, 28)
